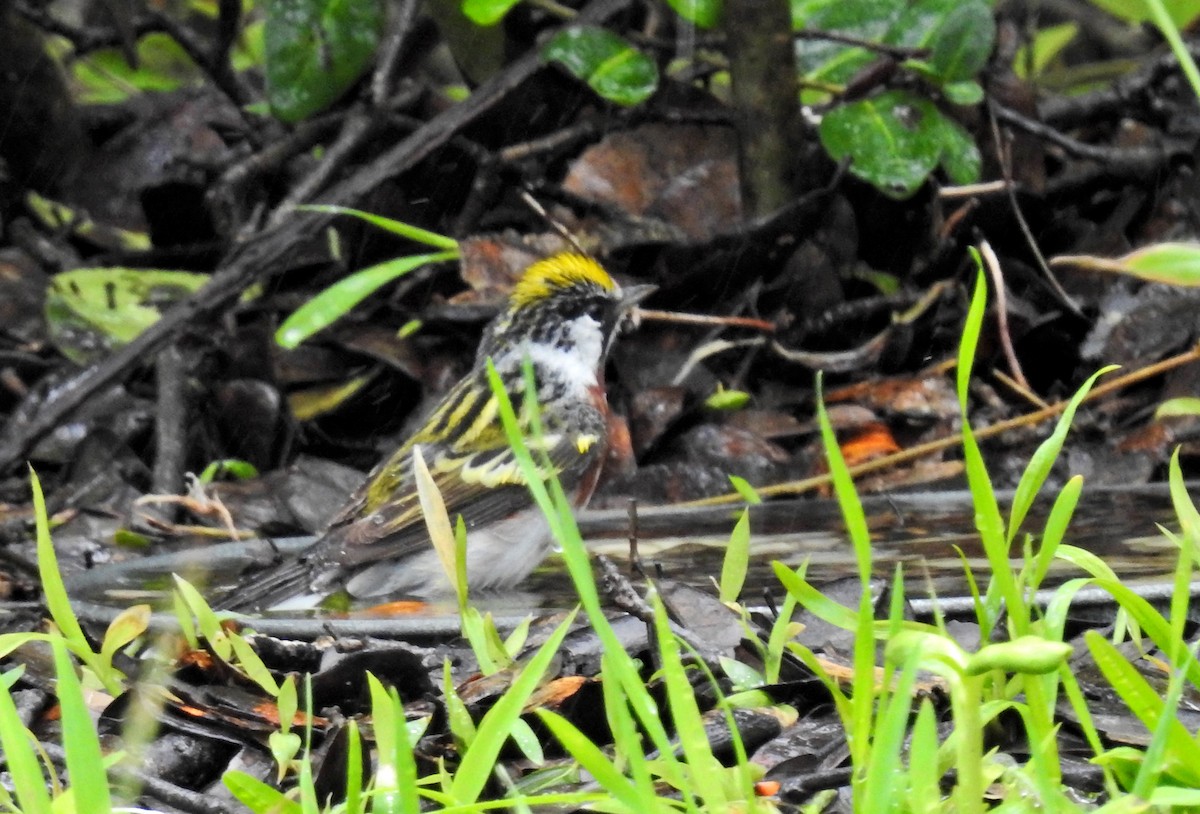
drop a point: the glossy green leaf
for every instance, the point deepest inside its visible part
(700, 13)
(907, 23)
(315, 50)
(895, 140)
(612, 67)
(487, 12)
(961, 45)
(334, 302)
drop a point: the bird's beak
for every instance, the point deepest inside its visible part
(634, 294)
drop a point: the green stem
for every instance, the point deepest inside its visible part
(1158, 13)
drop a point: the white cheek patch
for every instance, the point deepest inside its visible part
(576, 366)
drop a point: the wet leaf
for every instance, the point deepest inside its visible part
(315, 51)
(611, 66)
(963, 42)
(90, 312)
(895, 140)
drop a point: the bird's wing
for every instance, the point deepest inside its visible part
(478, 477)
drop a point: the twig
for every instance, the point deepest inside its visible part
(1004, 157)
(402, 24)
(992, 264)
(706, 320)
(1020, 389)
(170, 425)
(219, 71)
(949, 442)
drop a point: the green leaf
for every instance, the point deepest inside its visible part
(967, 92)
(1181, 758)
(1181, 12)
(487, 12)
(1042, 460)
(730, 400)
(737, 560)
(1181, 406)
(22, 763)
(896, 139)
(104, 77)
(1048, 43)
(233, 467)
(85, 764)
(612, 67)
(90, 312)
(256, 795)
(961, 45)
(477, 760)
(700, 13)
(315, 50)
(334, 302)
(1031, 655)
(1172, 263)
(743, 488)
(396, 227)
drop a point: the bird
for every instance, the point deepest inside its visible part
(562, 318)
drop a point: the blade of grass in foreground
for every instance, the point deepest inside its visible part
(85, 764)
(23, 764)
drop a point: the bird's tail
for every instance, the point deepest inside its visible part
(267, 589)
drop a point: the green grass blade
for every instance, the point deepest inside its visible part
(396, 227)
(1056, 528)
(22, 762)
(259, 797)
(1042, 461)
(737, 560)
(335, 302)
(85, 762)
(988, 519)
(597, 764)
(703, 768)
(396, 775)
(1181, 755)
(493, 731)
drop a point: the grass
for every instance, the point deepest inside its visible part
(908, 753)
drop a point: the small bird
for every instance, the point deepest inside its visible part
(562, 316)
